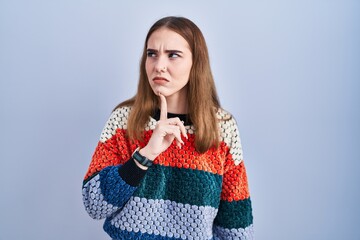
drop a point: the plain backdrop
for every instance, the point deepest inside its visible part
(288, 70)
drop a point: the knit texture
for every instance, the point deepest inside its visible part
(183, 195)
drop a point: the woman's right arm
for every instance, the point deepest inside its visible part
(113, 176)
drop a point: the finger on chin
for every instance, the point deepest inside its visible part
(163, 107)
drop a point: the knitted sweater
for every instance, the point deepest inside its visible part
(183, 195)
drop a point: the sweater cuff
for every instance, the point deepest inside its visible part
(131, 173)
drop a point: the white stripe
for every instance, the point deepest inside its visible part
(117, 119)
(229, 133)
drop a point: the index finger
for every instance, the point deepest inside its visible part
(163, 107)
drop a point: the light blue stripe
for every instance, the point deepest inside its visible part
(105, 193)
(240, 233)
(165, 218)
(94, 201)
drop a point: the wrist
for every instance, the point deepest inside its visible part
(140, 166)
(140, 160)
(146, 153)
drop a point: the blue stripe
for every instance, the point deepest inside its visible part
(115, 190)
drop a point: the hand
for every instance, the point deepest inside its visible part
(165, 132)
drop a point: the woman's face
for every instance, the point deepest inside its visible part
(168, 63)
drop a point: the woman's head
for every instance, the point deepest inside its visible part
(200, 81)
(168, 64)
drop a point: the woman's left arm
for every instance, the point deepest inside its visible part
(234, 219)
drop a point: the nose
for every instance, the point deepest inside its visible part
(161, 65)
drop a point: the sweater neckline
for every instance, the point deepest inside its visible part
(183, 117)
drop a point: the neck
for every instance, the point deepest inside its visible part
(177, 103)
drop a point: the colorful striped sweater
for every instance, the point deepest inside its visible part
(183, 195)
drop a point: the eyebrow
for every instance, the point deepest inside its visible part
(167, 51)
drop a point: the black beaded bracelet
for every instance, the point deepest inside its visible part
(141, 159)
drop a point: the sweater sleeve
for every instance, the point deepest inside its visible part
(234, 219)
(112, 176)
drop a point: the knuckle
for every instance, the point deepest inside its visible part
(160, 126)
(161, 123)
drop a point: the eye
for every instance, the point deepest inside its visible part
(151, 54)
(174, 55)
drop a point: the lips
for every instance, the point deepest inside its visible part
(160, 80)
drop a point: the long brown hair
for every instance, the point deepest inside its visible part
(203, 101)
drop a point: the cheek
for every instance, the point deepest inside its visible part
(148, 66)
(185, 71)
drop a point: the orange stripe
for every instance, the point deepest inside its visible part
(113, 152)
(235, 184)
(187, 157)
(118, 149)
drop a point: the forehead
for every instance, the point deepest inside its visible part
(168, 39)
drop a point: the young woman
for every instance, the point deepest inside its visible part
(169, 163)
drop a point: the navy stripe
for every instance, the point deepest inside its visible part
(235, 214)
(195, 187)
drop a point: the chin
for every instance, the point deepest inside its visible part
(161, 90)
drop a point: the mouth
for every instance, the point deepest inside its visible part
(160, 80)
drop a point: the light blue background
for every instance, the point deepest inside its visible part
(289, 71)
